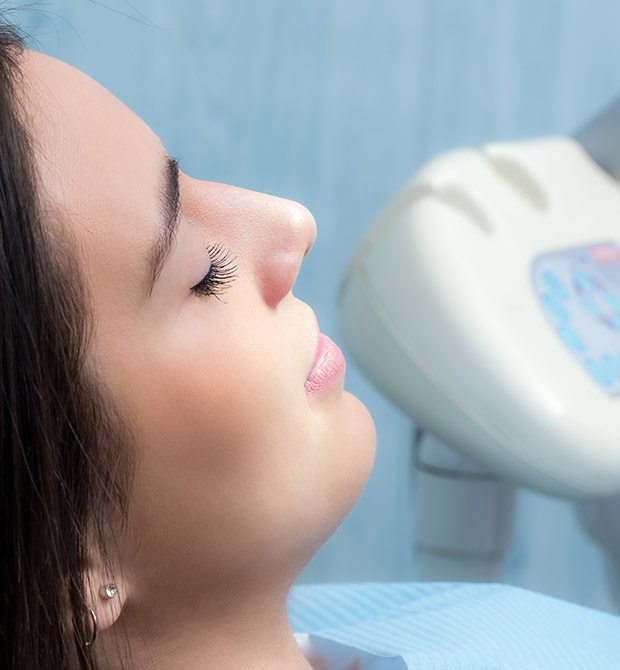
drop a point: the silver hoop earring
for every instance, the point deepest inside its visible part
(95, 627)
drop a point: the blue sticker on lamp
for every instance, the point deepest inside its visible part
(579, 292)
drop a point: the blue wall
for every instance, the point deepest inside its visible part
(335, 104)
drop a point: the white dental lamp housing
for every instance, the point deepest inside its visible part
(485, 302)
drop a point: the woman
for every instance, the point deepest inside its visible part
(176, 441)
(169, 461)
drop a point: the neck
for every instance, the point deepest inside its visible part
(250, 633)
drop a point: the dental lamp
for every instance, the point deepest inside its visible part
(495, 324)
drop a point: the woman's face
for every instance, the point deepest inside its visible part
(241, 474)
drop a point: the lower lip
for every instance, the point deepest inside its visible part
(328, 368)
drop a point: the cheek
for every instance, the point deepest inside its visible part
(218, 417)
(200, 402)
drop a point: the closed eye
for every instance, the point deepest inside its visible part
(220, 275)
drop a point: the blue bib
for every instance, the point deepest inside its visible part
(449, 626)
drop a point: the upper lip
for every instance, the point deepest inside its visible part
(314, 328)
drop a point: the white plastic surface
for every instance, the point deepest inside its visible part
(438, 309)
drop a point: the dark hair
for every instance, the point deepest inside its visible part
(65, 463)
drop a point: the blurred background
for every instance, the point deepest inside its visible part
(336, 103)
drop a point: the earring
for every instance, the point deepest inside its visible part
(109, 591)
(95, 627)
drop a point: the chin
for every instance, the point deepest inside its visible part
(349, 456)
(363, 425)
(358, 454)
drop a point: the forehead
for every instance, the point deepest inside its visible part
(99, 166)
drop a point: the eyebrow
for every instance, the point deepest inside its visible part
(170, 208)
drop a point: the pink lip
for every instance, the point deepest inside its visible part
(328, 367)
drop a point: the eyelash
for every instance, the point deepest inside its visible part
(220, 274)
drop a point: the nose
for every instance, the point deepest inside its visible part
(290, 238)
(272, 234)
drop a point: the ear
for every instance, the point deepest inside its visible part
(96, 578)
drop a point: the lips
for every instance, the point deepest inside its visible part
(317, 337)
(328, 368)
